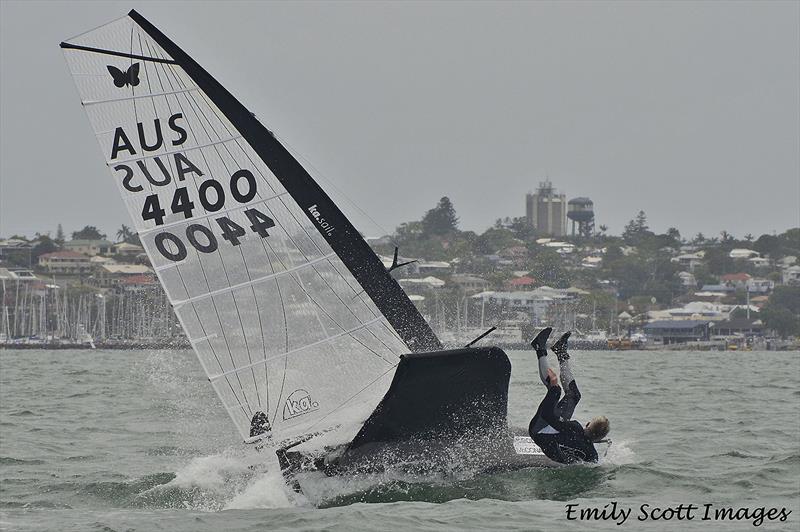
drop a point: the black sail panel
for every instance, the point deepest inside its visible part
(329, 220)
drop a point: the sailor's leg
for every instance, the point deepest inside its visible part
(565, 372)
(566, 406)
(540, 345)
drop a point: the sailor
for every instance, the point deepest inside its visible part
(551, 428)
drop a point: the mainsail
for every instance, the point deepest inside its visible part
(287, 308)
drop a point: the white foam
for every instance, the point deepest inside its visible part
(620, 453)
(266, 490)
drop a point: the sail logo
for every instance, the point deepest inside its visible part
(298, 403)
(328, 228)
(126, 77)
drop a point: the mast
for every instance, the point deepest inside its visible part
(345, 240)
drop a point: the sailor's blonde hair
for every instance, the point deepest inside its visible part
(598, 428)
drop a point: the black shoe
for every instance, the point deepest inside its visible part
(560, 347)
(540, 342)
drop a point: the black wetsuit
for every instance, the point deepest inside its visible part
(561, 440)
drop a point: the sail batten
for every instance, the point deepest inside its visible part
(266, 360)
(251, 282)
(140, 96)
(287, 309)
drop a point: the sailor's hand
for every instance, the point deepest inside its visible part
(552, 377)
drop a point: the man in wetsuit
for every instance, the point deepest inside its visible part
(561, 439)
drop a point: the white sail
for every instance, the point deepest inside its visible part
(278, 322)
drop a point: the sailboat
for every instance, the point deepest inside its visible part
(311, 345)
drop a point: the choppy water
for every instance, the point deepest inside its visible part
(127, 440)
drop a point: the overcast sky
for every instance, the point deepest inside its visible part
(688, 111)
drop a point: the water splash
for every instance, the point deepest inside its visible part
(620, 453)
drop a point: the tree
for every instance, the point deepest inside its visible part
(787, 297)
(89, 232)
(547, 267)
(674, 234)
(522, 229)
(124, 233)
(493, 240)
(782, 311)
(780, 320)
(45, 245)
(636, 230)
(440, 220)
(59, 235)
(719, 261)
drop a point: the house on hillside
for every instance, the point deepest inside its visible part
(430, 267)
(791, 275)
(760, 286)
(687, 279)
(91, 247)
(737, 280)
(108, 275)
(65, 262)
(128, 250)
(16, 252)
(471, 284)
(532, 304)
(15, 275)
(742, 253)
(521, 283)
(690, 261)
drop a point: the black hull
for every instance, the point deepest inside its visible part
(443, 410)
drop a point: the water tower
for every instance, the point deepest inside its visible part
(581, 212)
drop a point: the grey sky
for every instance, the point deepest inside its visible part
(689, 111)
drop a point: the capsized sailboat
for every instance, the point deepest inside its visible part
(301, 330)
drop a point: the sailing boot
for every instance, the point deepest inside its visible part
(540, 342)
(560, 347)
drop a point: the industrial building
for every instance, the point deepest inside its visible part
(546, 210)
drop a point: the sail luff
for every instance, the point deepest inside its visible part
(339, 233)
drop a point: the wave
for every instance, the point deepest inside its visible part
(49, 505)
(7, 460)
(123, 493)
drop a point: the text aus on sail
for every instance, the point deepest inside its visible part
(212, 194)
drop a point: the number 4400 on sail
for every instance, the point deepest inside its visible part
(207, 243)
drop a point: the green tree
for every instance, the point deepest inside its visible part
(782, 311)
(59, 235)
(780, 320)
(45, 245)
(787, 297)
(493, 240)
(636, 230)
(719, 261)
(89, 232)
(124, 233)
(522, 229)
(547, 267)
(440, 220)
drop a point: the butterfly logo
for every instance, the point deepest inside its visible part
(129, 77)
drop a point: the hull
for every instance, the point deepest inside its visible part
(444, 411)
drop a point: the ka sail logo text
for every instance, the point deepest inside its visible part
(323, 223)
(298, 403)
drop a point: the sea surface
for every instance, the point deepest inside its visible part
(136, 440)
